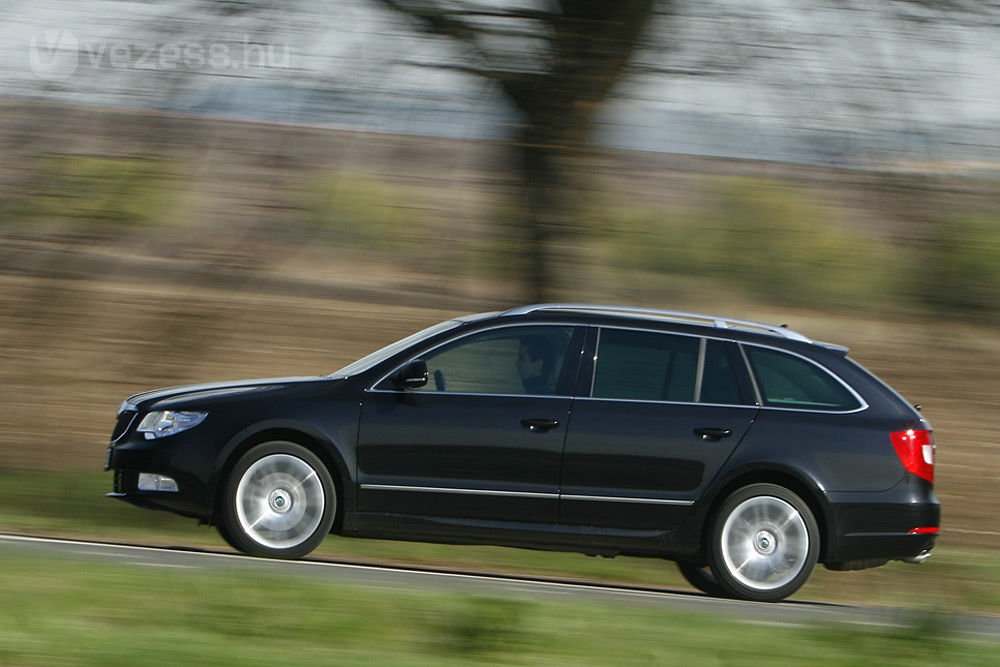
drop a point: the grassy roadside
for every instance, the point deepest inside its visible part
(71, 504)
(76, 612)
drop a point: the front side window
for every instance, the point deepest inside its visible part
(645, 366)
(508, 361)
(786, 381)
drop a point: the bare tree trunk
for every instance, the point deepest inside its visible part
(540, 184)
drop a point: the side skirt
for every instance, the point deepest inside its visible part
(593, 541)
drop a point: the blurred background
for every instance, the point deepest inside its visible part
(196, 190)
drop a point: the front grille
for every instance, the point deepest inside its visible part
(125, 419)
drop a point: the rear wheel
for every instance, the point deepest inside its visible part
(280, 502)
(764, 543)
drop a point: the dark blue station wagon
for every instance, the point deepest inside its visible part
(743, 451)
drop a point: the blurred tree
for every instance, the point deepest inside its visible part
(556, 63)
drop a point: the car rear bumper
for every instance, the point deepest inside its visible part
(899, 524)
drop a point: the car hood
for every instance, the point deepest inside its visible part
(219, 389)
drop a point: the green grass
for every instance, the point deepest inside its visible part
(72, 504)
(78, 612)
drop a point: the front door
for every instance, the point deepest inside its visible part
(483, 439)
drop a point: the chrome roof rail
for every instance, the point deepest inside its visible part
(669, 315)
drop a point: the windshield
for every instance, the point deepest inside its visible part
(380, 355)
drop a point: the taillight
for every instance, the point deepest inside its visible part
(915, 449)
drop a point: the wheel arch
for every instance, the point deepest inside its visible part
(300, 434)
(804, 487)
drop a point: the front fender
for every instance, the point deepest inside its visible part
(335, 447)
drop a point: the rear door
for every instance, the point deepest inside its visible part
(661, 415)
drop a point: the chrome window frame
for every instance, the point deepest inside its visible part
(758, 397)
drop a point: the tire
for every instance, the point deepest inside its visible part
(701, 577)
(280, 502)
(226, 535)
(764, 543)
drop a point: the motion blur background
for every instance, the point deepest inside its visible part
(194, 190)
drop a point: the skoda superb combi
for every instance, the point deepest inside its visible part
(745, 452)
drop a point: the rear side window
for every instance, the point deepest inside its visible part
(786, 381)
(645, 366)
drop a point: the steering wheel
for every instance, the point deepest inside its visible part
(439, 383)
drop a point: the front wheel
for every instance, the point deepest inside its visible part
(280, 501)
(764, 543)
(701, 577)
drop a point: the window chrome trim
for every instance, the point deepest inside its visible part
(435, 392)
(654, 402)
(862, 403)
(523, 494)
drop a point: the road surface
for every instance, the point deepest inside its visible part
(790, 613)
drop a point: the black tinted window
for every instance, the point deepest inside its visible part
(513, 360)
(648, 366)
(719, 384)
(786, 381)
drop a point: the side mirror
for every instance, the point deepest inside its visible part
(412, 375)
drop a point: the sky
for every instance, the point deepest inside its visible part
(777, 78)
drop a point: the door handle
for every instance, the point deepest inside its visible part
(539, 425)
(713, 433)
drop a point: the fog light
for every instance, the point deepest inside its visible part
(152, 482)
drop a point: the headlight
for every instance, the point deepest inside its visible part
(167, 422)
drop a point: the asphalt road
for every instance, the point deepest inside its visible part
(790, 613)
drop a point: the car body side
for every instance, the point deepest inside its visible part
(841, 463)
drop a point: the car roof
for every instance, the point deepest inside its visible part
(665, 316)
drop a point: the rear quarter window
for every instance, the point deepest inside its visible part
(787, 381)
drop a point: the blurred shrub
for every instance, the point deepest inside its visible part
(486, 625)
(758, 236)
(960, 271)
(351, 210)
(91, 191)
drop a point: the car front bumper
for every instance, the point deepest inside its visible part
(131, 457)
